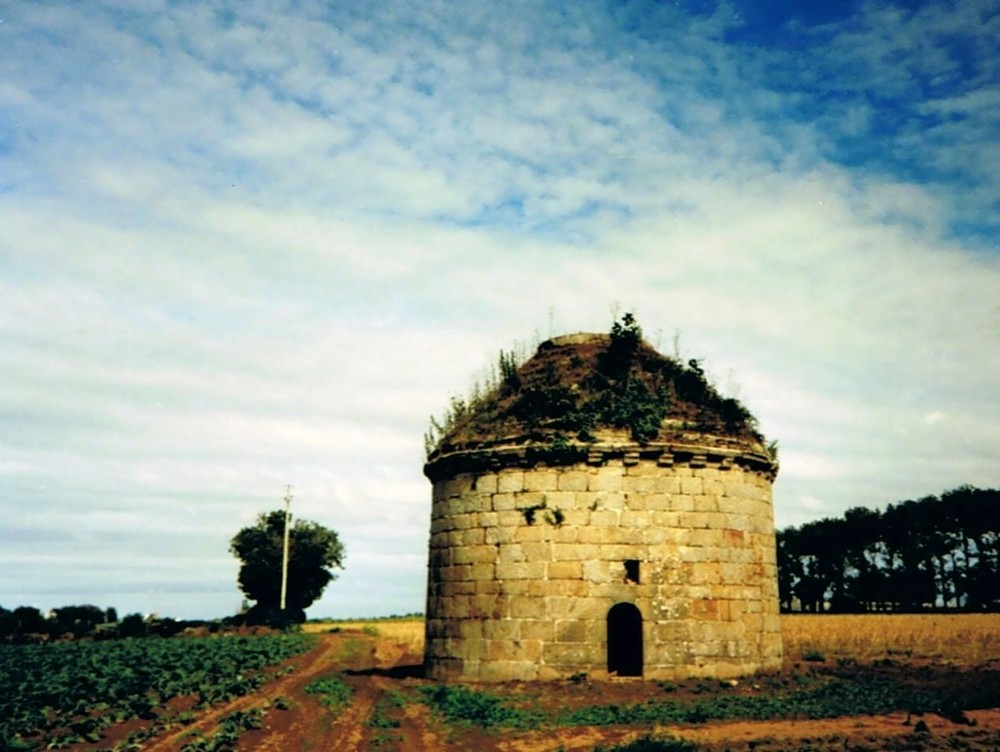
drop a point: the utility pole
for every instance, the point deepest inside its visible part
(284, 553)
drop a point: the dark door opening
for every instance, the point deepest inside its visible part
(624, 640)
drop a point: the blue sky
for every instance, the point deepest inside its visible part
(251, 244)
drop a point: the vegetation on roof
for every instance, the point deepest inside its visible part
(576, 386)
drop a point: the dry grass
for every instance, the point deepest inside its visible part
(966, 639)
(407, 632)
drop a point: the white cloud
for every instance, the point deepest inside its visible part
(934, 417)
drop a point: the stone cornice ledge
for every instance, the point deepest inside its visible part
(445, 465)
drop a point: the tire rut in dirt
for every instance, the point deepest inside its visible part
(275, 735)
(309, 725)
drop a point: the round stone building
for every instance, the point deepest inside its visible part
(602, 510)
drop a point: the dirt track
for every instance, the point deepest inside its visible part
(373, 669)
(309, 718)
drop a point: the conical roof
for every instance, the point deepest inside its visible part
(582, 389)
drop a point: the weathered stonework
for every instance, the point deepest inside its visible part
(532, 555)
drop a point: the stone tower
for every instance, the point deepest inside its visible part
(604, 511)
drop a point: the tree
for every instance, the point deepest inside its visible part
(133, 625)
(8, 624)
(80, 621)
(313, 551)
(29, 620)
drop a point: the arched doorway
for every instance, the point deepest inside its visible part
(624, 640)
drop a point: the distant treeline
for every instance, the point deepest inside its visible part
(932, 554)
(29, 624)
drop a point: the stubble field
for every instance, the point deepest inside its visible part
(879, 682)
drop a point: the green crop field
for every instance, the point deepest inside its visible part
(55, 695)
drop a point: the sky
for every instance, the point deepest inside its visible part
(252, 244)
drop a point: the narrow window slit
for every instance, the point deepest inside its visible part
(632, 571)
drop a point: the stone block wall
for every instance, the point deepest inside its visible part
(527, 561)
